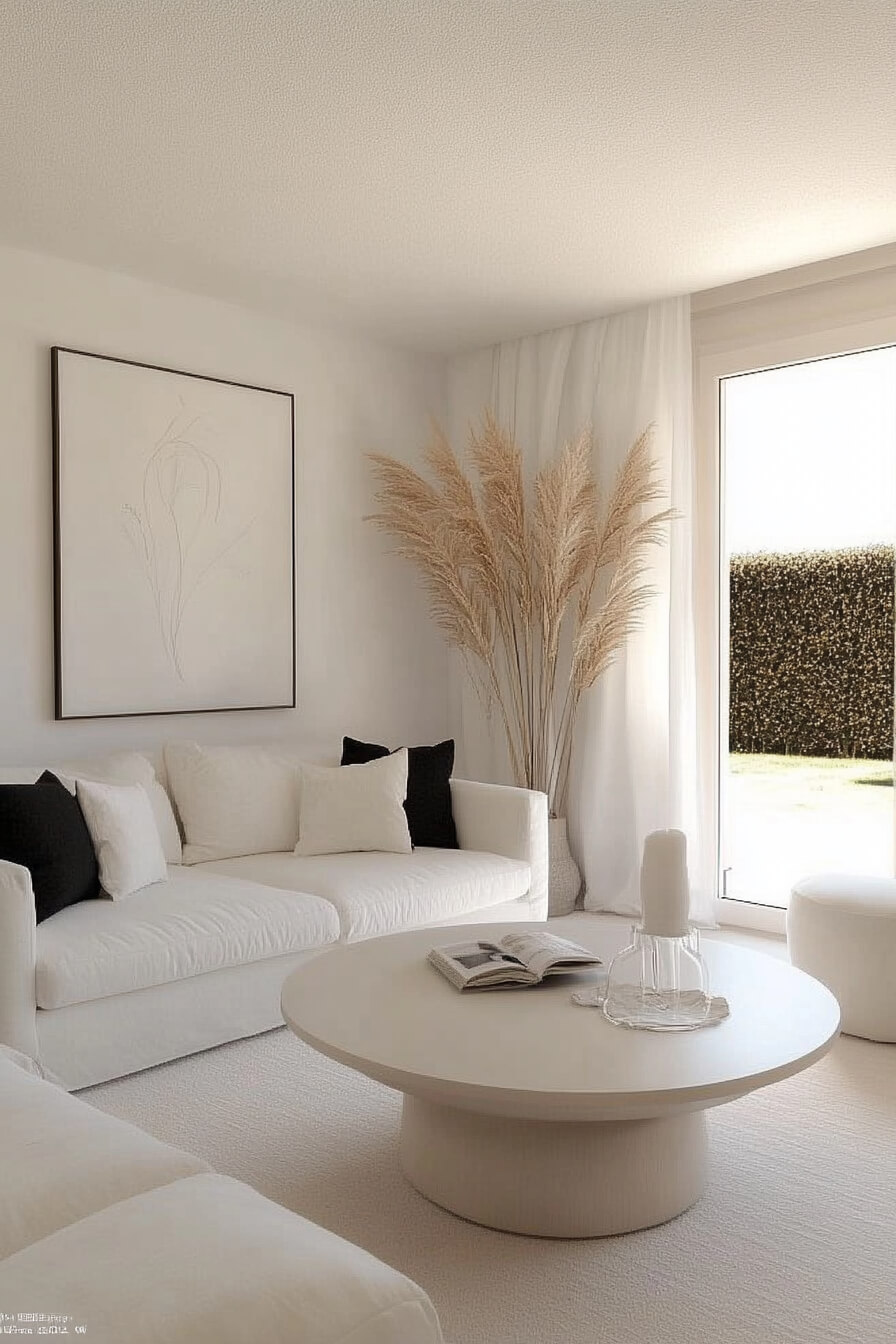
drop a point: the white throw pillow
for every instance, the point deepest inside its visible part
(233, 800)
(130, 767)
(353, 807)
(124, 834)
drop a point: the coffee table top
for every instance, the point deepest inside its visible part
(379, 1007)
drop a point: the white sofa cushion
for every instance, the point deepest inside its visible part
(209, 1261)
(354, 807)
(378, 893)
(61, 1160)
(233, 800)
(193, 923)
(125, 837)
(129, 767)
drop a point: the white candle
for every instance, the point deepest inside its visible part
(664, 884)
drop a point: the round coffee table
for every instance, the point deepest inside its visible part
(525, 1112)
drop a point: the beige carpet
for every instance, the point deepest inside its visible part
(795, 1242)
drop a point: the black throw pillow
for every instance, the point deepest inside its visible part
(42, 828)
(428, 804)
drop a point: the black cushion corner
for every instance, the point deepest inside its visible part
(428, 804)
(42, 828)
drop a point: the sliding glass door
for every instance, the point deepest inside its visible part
(808, 524)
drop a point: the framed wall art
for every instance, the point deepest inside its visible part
(174, 540)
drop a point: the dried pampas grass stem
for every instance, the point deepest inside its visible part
(540, 597)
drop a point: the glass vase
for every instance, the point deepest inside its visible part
(658, 984)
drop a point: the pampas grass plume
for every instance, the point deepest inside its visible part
(538, 596)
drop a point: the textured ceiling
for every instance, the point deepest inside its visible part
(445, 173)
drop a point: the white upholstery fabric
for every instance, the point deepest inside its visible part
(186, 926)
(509, 821)
(842, 930)
(87, 1043)
(129, 767)
(378, 893)
(506, 912)
(60, 1160)
(206, 1260)
(18, 936)
(232, 800)
(125, 837)
(21, 1061)
(354, 807)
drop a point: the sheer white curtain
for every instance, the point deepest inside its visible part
(637, 761)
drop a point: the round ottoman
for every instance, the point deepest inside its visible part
(842, 930)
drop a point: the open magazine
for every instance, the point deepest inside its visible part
(516, 959)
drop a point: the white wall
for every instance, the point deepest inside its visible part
(369, 661)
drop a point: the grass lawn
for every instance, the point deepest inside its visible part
(816, 771)
(790, 816)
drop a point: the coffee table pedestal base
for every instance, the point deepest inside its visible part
(554, 1178)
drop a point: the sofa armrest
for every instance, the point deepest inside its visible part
(498, 819)
(18, 1024)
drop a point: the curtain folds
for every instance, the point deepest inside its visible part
(641, 760)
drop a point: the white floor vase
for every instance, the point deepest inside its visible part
(564, 878)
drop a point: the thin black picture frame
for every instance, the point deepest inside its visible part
(57, 450)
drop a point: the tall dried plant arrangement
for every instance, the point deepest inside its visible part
(538, 591)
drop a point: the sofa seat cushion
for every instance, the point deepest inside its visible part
(378, 893)
(61, 1160)
(209, 1259)
(195, 922)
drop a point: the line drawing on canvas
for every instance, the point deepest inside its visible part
(176, 530)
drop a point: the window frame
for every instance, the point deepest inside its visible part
(729, 340)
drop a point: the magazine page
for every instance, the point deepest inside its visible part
(477, 965)
(542, 952)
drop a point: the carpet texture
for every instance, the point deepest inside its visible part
(794, 1242)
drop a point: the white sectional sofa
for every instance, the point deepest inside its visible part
(104, 988)
(106, 1230)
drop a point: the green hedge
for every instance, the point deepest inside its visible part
(811, 669)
